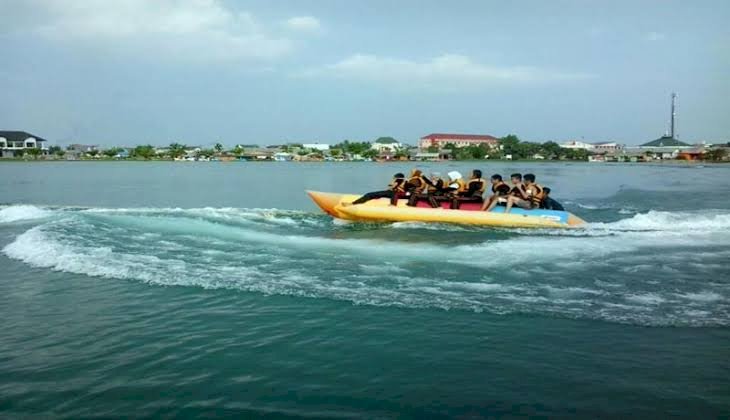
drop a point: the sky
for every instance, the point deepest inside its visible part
(197, 72)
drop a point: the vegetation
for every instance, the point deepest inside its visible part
(145, 152)
(716, 155)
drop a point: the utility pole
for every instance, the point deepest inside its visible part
(671, 128)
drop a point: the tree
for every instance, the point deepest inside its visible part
(92, 153)
(432, 149)
(145, 152)
(716, 154)
(509, 145)
(110, 153)
(551, 150)
(176, 150)
(218, 148)
(238, 150)
(34, 152)
(335, 152)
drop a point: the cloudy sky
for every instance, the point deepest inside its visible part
(199, 71)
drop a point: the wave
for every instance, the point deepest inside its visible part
(654, 268)
(17, 213)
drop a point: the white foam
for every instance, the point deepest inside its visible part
(703, 296)
(17, 213)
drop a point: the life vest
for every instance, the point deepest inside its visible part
(398, 185)
(459, 185)
(415, 184)
(535, 194)
(500, 188)
(519, 192)
(438, 185)
(482, 186)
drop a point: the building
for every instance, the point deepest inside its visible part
(574, 144)
(14, 143)
(665, 141)
(440, 140)
(386, 145)
(609, 146)
(316, 146)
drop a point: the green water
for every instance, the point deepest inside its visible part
(210, 289)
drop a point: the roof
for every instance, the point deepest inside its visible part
(664, 141)
(19, 136)
(472, 137)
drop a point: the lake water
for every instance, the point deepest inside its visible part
(218, 289)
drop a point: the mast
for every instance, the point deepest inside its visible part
(671, 127)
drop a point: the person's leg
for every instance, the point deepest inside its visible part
(394, 196)
(510, 201)
(488, 202)
(372, 196)
(494, 203)
(413, 200)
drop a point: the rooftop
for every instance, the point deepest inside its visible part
(460, 136)
(664, 141)
(18, 136)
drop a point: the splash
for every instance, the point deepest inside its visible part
(655, 268)
(19, 213)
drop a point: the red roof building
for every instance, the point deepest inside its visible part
(440, 140)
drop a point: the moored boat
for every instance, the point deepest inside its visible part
(380, 210)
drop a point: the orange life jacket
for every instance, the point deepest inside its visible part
(398, 185)
(500, 185)
(536, 194)
(482, 186)
(415, 183)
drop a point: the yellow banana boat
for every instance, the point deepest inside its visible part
(380, 210)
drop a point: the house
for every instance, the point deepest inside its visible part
(440, 140)
(692, 154)
(606, 146)
(316, 146)
(666, 141)
(574, 144)
(386, 145)
(14, 143)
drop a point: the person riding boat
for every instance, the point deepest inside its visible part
(456, 183)
(534, 196)
(416, 183)
(517, 190)
(548, 203)
(472, 192)
(434, 188)
(500, 190)
(396, 189)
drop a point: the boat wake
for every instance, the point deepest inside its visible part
(654, 268)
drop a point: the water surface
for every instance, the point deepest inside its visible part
(170, 288)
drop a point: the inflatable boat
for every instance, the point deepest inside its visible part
(380, 210)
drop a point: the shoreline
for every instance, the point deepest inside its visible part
(494, 161)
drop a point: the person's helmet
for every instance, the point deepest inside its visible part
(454, 175)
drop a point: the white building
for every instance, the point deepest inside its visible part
(316, 146)
(576, 145)
(13, 142)
(386, 147)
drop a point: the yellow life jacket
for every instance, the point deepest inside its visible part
(435, 187)
(536, 194)
(460, 185)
